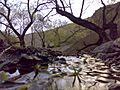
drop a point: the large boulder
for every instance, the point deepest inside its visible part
(109, 52)
(114, 87)
(104, 48)
(108, 47)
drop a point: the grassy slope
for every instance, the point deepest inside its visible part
(11, 38)
(84, 35)
(73, 43)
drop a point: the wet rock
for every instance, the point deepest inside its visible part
(60, 60)
(117, 43)
(25, 70)
(114, 87)
(1, 62)
(36, 86)
(10, 67)
(26, 64)
(9, 84)
(43, 58)
(103, 80)
(109, 52)
(56, 53)
(103, 48)
(27, 61)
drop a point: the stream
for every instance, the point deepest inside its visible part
(83, 73)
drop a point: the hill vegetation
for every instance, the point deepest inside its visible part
(72, 37)
(8, 39)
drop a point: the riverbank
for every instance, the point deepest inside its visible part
(83, 73)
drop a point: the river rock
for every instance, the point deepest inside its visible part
(104, 48)
(114, 87)
(108, 51)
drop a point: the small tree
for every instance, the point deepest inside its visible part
(56, 25)
(39, 27)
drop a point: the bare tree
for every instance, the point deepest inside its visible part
(40, 26)
(57, 25)
(19, 16)
(100, 30)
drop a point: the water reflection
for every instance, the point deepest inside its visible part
(93, 75)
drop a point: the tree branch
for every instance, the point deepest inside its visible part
(80, 21)
(48, 13)
(5, 4)
(7, 18)
(70, 36)
(62, 5)
(4, 24)
(32, 16)
(70, 7)
(82, 8)
(103, 14)
(86, 46)
(28, 6)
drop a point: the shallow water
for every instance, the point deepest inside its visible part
(58, 81)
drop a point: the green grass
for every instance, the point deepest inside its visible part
(82, 36)
(72, 44)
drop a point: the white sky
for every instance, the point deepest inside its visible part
(91, 4)
(76, 4)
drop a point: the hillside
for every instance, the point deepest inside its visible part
(77, 36)
(7, 38)
(81, 37)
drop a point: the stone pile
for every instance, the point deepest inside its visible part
(25, 59)
(109, 53)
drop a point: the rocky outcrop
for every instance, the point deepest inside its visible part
(109, 53)
(110, 13)
(114, 87)
(25, 59)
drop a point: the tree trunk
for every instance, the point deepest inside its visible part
(43, 42)
(113, 31)
(105, 36)
(22, 42)
(85, 23)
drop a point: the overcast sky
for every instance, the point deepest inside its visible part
(89, 8)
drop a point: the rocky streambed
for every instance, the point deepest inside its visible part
(66, 73)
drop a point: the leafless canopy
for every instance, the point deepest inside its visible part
(61, 8)
(19, 16)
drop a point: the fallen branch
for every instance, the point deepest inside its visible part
(5, 50)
